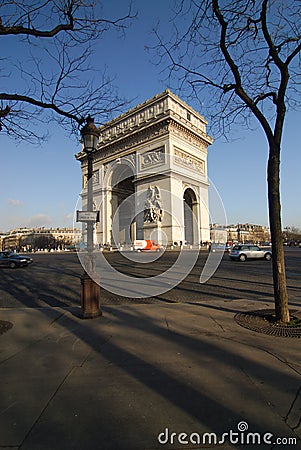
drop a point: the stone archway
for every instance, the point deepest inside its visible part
(190, 216)
(123, 205)
(161, 143)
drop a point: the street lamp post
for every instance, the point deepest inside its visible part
(90, 292)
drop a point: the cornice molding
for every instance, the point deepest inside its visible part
(201, 140)
(148, 120)
(126, 144)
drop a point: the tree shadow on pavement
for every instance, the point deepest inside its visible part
(138, 376)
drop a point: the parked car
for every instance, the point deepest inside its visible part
(12, 260)
(242, 252)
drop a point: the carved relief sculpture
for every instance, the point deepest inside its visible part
(153, 211)
(152, 158)
(190, 162)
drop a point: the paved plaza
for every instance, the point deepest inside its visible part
(147, 376)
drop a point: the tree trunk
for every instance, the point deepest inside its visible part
(279, 275)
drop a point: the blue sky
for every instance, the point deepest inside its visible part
(39, 186)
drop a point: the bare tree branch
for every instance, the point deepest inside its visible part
(72, 15)
(240, 91)
(32, 101)
(55, 73)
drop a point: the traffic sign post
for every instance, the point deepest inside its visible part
(87, 216)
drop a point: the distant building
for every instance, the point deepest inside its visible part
(34, 239)
(246, 232)
(2, 236)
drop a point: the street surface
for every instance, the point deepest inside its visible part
(54, 280)
(121, 381)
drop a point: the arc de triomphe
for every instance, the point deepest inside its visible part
(150, 174)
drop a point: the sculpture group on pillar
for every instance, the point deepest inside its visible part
(153, 211)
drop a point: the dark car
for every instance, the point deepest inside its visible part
(12, 260)
(242, 252)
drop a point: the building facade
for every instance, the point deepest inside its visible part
(2, 236)
(34, 239)
(246, 232)
(150, 175)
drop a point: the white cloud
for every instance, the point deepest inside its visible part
(38, 220)
(14, 202)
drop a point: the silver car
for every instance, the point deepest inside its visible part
(242, 252)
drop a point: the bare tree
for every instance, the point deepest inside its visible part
(246, 53)
(50, 70)
(292, 234)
